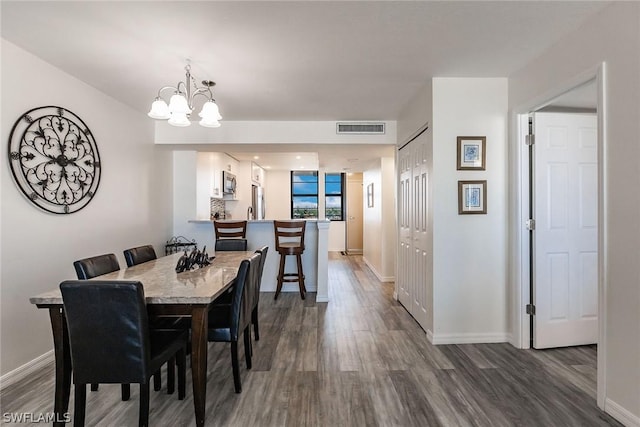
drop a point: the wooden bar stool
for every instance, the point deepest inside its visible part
(290, 241)
(230, 235)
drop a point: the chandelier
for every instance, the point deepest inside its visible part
(181, 103)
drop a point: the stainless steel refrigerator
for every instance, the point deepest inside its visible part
(257, 202)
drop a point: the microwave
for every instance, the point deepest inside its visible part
(228, 183)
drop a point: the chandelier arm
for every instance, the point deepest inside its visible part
(166, 87)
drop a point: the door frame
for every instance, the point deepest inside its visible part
(519, 190)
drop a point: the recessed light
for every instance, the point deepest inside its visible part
(298, 157)
(256, 157)
(301, 167)
(267, 167)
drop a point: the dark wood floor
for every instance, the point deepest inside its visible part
(359, 360)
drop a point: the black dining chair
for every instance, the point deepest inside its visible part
(227, 322)
(230, 235)
(111, 341)
(255, 291)
(140, 255)
(135, 256)
(95, 266)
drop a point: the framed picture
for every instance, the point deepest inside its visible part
(471, 152)
(370, 195)
(472, 197)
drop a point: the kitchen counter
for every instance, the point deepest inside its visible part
(260, 233)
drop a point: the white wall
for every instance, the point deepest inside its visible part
(131, 207)
(379, 229)
(269, 132)
(278, 194)
(612, 36)
(469, 265)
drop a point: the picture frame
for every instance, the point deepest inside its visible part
(370, 195)
(472, 197)
(472, 153)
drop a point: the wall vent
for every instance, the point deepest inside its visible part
(360, 128)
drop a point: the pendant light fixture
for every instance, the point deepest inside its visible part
(180, 105)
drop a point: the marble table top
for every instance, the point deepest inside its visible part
(162, 285)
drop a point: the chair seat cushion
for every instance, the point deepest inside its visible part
(231, 245)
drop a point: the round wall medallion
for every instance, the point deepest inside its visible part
(54, 159)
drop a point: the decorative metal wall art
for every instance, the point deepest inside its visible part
(54, 159)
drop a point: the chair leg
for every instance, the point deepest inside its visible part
(171, 375)
(181, 360)
(280, 276)
(143, 417)
(157, 381)
(94, 387)
(80, 405)
(303, 289)
(236, 368)
(254, 320)
(248, 351)
(126, 391)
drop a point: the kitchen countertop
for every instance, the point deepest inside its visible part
(206, 221)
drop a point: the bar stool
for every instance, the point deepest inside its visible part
(290, 241)
(230, 235)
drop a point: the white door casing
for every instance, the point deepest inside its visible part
(566, 230)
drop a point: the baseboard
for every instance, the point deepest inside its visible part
(621, 414)
(322, 299)
(25, 370)
(468, 338)
(430, 336)
(385, 279)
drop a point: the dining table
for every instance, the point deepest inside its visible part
(167, 293)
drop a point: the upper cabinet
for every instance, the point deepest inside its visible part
(257, 174)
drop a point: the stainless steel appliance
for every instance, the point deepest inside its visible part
(228, 183)
(257, 202)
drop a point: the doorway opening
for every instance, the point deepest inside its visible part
(354, 213)
(566, 195)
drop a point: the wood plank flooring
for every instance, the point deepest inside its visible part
(359, 360)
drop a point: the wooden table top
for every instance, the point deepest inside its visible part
(162, 285)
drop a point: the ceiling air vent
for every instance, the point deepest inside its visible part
(360, 128)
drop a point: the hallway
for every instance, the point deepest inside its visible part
(359, 360)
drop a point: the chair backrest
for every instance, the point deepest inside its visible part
(230, 235)
(289, 234)
(108, 331)
(135, 256)
(230, 229)
(89, 268)
(257, 279)
(241, 301)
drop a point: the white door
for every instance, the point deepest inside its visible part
(354, 214)
(419, 233)
(404, 215)
(414, 261)
(566, 234)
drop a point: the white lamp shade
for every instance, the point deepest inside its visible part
(159, 110)
(178, 105)
(179, 119)
(209, 123)
(210, 111)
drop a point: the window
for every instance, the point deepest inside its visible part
(334, 196)
(304, 194)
